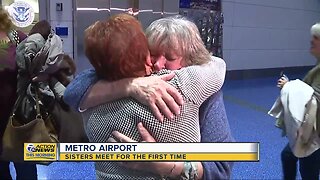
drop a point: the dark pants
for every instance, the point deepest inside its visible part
(309, 167)
(23, 170)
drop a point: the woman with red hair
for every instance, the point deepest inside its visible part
(117, 48)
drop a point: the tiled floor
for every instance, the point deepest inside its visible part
(247, 103)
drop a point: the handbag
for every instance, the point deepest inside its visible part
(69, 123)
(41, 129)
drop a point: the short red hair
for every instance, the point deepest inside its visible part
(117, 47)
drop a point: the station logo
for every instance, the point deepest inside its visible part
(40, 151)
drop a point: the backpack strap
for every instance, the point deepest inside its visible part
(14, 37)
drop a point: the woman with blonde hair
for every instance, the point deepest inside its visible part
(309, 166)
(9, 39)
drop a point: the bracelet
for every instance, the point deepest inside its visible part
(171, 171)
(190, 171)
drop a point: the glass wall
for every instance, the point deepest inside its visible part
(87, 12)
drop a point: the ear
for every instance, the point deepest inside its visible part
(148, 65)
(148, 61)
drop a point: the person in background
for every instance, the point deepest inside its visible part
(85, 90)
(9, 39)
(309, 166)
(53, 70)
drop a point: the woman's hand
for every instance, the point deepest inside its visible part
(161, 168)
(281, 82)
(152, 91)
(156, 93)
(144, 133)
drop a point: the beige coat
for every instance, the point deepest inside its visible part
(296, 114)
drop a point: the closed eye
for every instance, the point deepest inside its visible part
(170, 58)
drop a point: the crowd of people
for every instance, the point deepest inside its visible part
(165, 77)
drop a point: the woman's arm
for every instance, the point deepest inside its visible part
(152, 91)
(78, 87)
(86, 91)
(198, 82)
(214, 127)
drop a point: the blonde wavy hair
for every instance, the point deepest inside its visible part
(181, 35)
(5, 21)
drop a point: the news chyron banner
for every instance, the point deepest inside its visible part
(142, 152)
